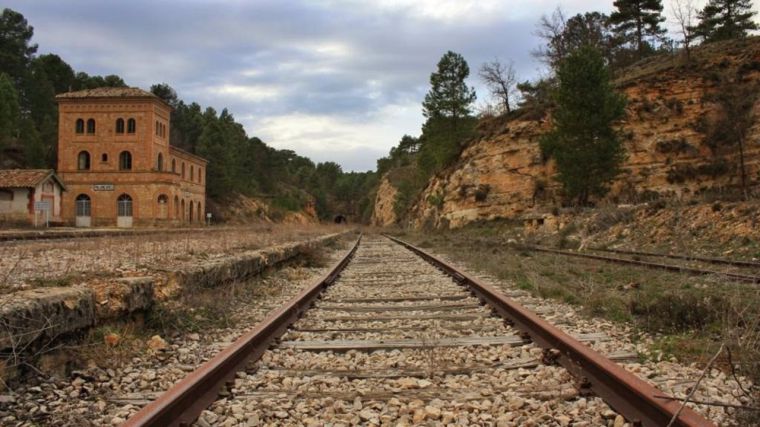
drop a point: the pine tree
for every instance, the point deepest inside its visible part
(9, 110)
(449, 95)
(725, 20)
(637, 20)
(587, 149)
(447, 108)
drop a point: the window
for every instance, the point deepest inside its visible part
(124, 205)
(160, 162)
(90, 126)
(119, 125)
(79, 128)
(174, 166)
(163, 206)
(83, 205)
(200, 174)
(125, 161)
(192, 173)
(158, 128)
(182, 209)
(200, 217)
(183, 169)
(131, 126)
(6, 200)
(176, 207)
(83, 161)
(104, 157)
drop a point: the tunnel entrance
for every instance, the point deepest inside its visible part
(340, 219)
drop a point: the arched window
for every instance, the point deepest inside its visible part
(160, 162)
(119, 125)
(182, 209)
(200, 216)
(125, 161)
(131, 126)
(104, 157)
(183, 170)
(192, 173)
(79, 128)
(90, 126)
(190, 210)
(158, 129)
(83, 161)
(200, 175)
(83, 205)
(124, 205)
(163, 206)
(174, 166)
(176, 207)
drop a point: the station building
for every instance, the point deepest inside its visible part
(116, 162)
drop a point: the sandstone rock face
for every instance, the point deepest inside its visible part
(384, 215)
(502, 174)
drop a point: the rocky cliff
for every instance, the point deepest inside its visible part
(501, 174)
(383, 214)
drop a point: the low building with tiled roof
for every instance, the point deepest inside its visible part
(30, 195)
(118, 166)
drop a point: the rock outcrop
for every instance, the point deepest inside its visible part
(384, 214)
(502, 173)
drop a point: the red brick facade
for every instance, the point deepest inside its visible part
(116, 162)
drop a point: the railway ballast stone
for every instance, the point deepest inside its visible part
(44, 314)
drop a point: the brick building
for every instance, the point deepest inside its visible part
(116, 162)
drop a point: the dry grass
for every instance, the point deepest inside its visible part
(690, 317)
(28, 264)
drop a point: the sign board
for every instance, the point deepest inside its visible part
(102, 187)
(43, 205)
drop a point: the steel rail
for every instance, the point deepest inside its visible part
(183, 403)
(629, 395)
(652, 265)
(723, 261)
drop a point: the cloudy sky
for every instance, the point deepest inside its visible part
(338, 80)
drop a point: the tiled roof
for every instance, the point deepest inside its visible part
(108, 92)
(24, 178)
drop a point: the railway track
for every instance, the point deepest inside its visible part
(636, 261)
(394, 336)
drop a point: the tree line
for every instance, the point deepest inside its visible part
(239, 164)
(582, 54)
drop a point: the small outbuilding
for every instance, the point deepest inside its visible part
(30, 195)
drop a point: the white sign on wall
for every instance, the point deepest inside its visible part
(102, 187)
(43, 205)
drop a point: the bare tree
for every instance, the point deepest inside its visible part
(551, 29)
(501, 80)
(684, 14)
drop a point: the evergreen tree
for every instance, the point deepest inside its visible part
(725, 20)
(637, 20)
(448, 113)
(9, 112)
(587, 149)
(15, 50)
(449, 96)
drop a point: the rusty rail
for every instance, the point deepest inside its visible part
(629, 395)
(652, 265)
(184, 402)
(722, 261)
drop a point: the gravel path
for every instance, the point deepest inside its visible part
(364, 356)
